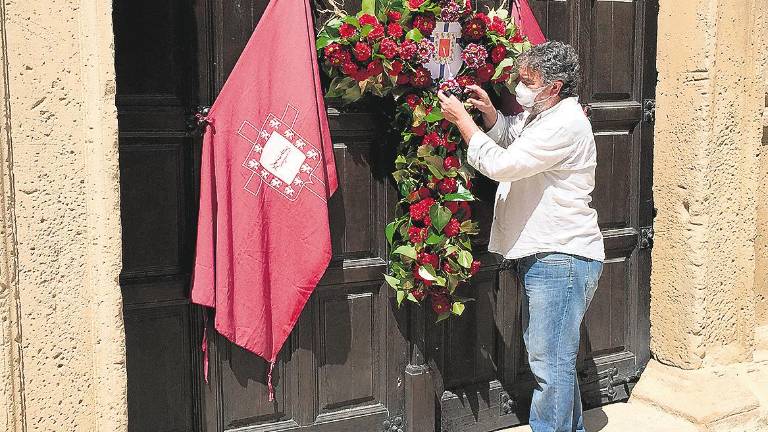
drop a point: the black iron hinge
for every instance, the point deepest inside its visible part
(646, 237)
(649, 110)
(506, 404)
(393, 424)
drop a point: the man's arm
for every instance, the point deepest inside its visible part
(530, 154)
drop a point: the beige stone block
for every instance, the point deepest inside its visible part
(703, 396)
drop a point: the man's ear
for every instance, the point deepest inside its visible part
(556, 87)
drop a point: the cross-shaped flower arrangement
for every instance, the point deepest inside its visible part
(408, 49)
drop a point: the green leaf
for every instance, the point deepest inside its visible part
(439, 280)
(458, 308)
(392, 281)
(465, 259)
(411, 297)
(409, 251)
(434, 239)
(400, 297)
(324, 41)
(424, 150)
(440, 217)
(434, 115)
(460, 196)
(389, 231)
(369, 7)
(352, 20)
(435, 171)
(443, 316)
(427, 272)
(502, 64)
(414, 35)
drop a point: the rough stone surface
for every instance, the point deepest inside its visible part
(63, 136)
(708, 132)
(761, 242)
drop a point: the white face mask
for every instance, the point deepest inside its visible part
(526, 96)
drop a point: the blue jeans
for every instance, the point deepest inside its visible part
(557, 291)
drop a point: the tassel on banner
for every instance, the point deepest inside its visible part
(269, 381)
(204, 347)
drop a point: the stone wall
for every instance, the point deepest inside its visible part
(710, 99)
(761, 242)
(60, 300)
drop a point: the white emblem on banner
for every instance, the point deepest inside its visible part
(446, 60)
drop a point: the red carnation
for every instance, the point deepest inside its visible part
(440, 304)
(347, 30)
(350, 69)
(475, 267)
(416, 234)
(362, 51)
(426, 24)
(498, 53)
(397, 67)
(375, 68)
(485, 72)
(336, 55)
(427, 221)
(367, 19)
(419, 130)
(432, 139)
(408, 49)
(517, 38)
(415, 4)
(403, 79)
(420, 209)
(497, 26)
(413, 100)
(419, 294)
(376, 33)
(466, 80)
(425, 192)
(484, 18)
(474, 29)
(428, 258)
(448, 185)
(453, 228)
(388, 48)
(421, 77)
(395, 30)
(451, 162)
(394, 15)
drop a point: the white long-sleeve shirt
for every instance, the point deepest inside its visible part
(546, 173)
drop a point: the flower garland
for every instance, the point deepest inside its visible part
(383, 50)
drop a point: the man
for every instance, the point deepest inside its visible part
(544, 160)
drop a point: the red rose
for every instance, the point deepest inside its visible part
(375, 68)
(421, 77)
(403, 79)
(376, 33)
(420, 210)
(466, 80)
(485, 72)
(408, 49)
(450, 146)
(466, 210)
(474, 29)
(475, 267)
(467, 6)
(441, 304)
(448, 186)
(445, 124)
(419, 130)
(367, 19)
(416, 234)
(484, 18)
(394, 15)
(432, 139)
(498, 53)
(347, 30)
(447, 267)
(428, 258)
(424, 192)
(362, 51)
(426, 24)
(453, 228)
(419, 294)
(451, 162)
(414, 4)
(517, 38)
(413, 100)
(497, 26)
(388, 48)
(397, 67)
(395, 30)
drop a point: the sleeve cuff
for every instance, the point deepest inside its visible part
(496, 133)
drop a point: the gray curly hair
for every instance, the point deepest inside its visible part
(556, 61)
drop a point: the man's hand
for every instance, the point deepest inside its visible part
(453, 110)
(482, 102)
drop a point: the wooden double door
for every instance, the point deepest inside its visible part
(355, 362)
